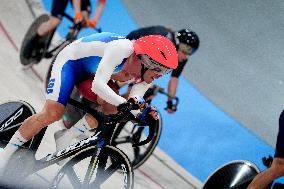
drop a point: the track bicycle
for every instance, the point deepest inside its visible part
(46, 50)
(126, 133)
(94, 162)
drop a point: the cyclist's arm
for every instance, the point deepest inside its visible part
(172, 87)
(139, 89)
(122, 84)
(114, 53)
(173, 83)
(99, 10)
(76, 6)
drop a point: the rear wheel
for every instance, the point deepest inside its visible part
(125, 135)
(85, 170)
(37, 54)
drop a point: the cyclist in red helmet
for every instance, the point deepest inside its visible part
(107, 57)
(186, 42)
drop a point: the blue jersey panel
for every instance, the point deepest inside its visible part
(104, 37)
(90, 64)
(119, 67)
(70, 75)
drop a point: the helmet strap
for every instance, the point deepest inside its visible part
(143, 70)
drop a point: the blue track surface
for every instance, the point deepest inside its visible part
(199, 136)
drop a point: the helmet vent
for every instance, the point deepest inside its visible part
(163, 55)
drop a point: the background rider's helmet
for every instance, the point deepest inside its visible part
(188, 37)
(156, 51)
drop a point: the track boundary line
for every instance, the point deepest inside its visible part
(174, 171)
(29, 4)
(150, 178)
(17, 49)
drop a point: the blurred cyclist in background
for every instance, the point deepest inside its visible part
(186, 42)
(82, 9)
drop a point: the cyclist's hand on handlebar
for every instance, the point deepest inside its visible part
(170, 107)
(137, 102)
(92, 23)
(150, 93)
(78, 17)
(149, 116)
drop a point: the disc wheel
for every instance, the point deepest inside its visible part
(26, 43)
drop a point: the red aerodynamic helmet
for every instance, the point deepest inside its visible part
(158, 50)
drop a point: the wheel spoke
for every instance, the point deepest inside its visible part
(90, 170)
(122, 140)
(103, 174)
(111, 169)
(136, 152)
(99, 171)
(71, 174)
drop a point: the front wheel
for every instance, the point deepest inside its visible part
(85, 170)
(27, 46)
(13, 113)
(125, 135)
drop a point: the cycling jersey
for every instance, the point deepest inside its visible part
(158, 30)
(99, 55)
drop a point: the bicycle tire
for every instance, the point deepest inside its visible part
(114, 153)
(8, 109)
(236, 174)
(138, 161)
(29, 34)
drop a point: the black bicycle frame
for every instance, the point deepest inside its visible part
(85, 144)
(100, 139)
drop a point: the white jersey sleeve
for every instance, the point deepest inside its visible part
(114, 53)
(139, 89)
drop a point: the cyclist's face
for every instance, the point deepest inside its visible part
(153, 65)
(135, 66)
(184, 52)
(150, 75)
